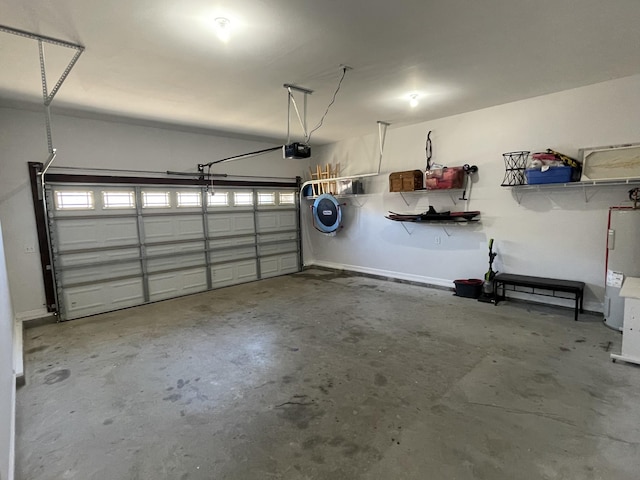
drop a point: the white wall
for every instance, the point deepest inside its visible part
(7, 374)
(552, 233)
(82, 142)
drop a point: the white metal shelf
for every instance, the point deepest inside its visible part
(352, 196)
(339, 195)
(585, 186)
(427, 191)
(440, 223)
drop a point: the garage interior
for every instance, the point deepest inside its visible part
(171, 307)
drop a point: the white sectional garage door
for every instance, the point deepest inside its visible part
(117, 246)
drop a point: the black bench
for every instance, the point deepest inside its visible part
(547, 284)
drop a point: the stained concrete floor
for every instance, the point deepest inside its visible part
(325, 376)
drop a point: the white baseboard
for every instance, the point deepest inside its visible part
(438, 282)
(32, 315)
(596, 307)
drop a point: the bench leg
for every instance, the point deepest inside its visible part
(581, 302)
(575, 318)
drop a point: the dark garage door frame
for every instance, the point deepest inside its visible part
(45, 216)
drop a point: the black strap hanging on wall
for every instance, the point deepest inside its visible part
(429, 150)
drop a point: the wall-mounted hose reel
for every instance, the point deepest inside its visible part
(326, 213)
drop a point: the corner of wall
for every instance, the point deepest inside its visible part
(18, 352)
(12, 444)
(32, 315)
(8, 364)
(376, 272)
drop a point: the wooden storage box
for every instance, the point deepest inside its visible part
(406, 181)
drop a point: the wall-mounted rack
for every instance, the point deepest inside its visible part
(588, 186)
(441, 219)
(442, 224)
(450, 192)
(351, 196)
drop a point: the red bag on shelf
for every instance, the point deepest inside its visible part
(445, 177)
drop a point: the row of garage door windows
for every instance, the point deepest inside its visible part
(122, 199)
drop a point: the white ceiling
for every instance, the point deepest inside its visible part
(159, 60)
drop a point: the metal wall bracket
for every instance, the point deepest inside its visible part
(406, 229)
(382, 136)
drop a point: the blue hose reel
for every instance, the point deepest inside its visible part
(327, 213)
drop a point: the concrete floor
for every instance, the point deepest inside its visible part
(326, 376)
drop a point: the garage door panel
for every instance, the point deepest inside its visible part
(281, 247)
(289, 263)
(269, 267)
(175, 256)
(221, 224)
(232, 254)
(95, 233)
(99, 256)
(175, 248)
(279, 265)
(100, 273)
(101, 297)
(177, 261)
(162, 229)
(233, 273)
(228, 242)
(273, 221)
(278, 237)
(174, 284)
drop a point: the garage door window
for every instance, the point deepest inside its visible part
(243, 199)
(286, 198)
(218, 199)
(74, 200)
(155, 200)
(266, 198)
(189, 199)
(118, 200)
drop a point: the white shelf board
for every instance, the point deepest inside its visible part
(590, 183)
(520, 190)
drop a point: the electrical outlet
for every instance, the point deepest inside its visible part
(29, 248)
(438, 240)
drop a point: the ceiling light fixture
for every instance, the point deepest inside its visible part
(413, 100)
(223, 27)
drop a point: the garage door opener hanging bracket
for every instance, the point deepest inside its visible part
(48, 96)
(289, 150)
(46, 253)
(303, 123)
(302, 119)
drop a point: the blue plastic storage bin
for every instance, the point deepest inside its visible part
(536, 176)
